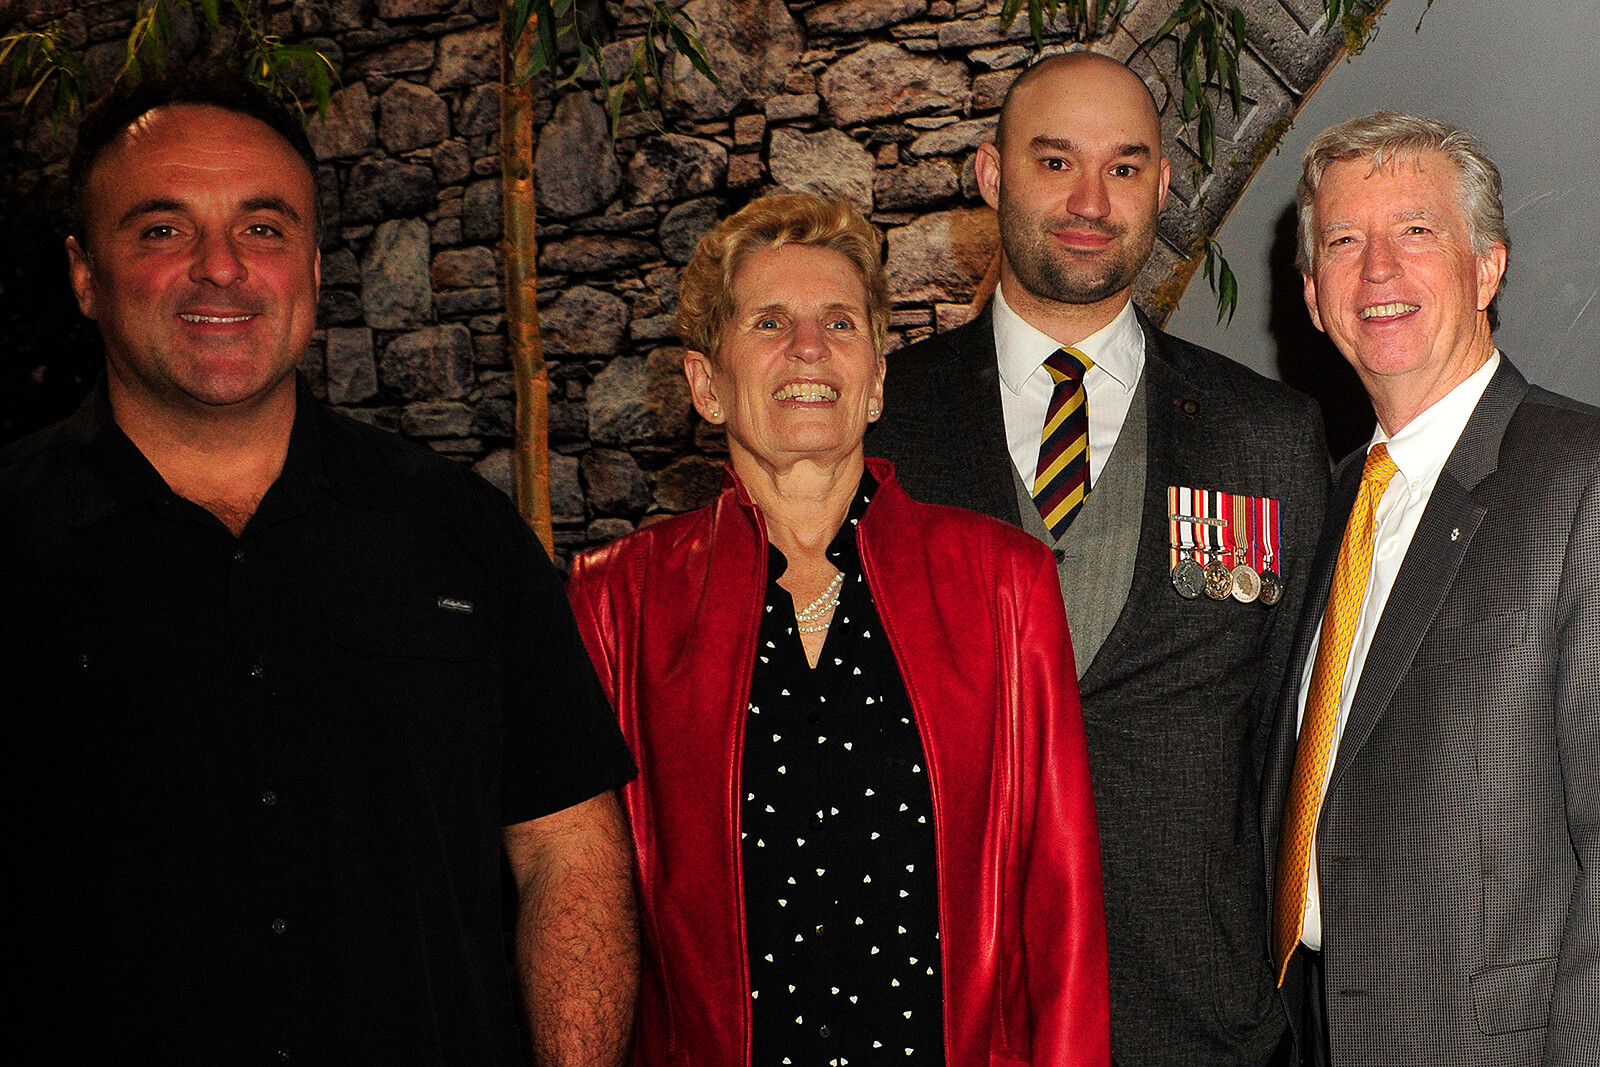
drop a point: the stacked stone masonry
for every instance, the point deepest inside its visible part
(881, 102)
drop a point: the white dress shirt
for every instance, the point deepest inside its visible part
(1117, 350)
(1419, 450)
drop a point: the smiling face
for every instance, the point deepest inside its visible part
(1078, 180)
(199, 260)
(796, 376)
(1395, 283)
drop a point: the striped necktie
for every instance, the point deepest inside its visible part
(1061, 480)
(1321, 716)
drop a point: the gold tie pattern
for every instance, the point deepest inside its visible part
(1339, 620)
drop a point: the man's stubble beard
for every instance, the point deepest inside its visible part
(1049, 273)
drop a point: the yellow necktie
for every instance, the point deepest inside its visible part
(1350, 575)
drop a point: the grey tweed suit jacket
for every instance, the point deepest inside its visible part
(1178, 700)
(1459, 841)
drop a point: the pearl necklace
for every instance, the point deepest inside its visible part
(821, 608)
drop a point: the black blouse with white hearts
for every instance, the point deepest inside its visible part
(840, 883)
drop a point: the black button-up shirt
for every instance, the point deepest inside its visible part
(258, 781)
(840, 881)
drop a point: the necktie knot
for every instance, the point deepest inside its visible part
(1379, 468)
(1067, 365)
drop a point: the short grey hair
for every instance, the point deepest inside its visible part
(1390, 134)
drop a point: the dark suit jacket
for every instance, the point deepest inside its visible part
(1178, 700)
(1459, 841)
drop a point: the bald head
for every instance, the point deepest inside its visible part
(1078, 179)
(1088, 76)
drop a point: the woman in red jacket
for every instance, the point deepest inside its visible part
(863, 817)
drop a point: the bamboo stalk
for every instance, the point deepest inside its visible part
(520, 254)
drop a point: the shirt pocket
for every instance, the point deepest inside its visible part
(417, 658)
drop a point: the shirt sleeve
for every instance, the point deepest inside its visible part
(562, 742)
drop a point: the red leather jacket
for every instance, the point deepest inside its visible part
(972, 611)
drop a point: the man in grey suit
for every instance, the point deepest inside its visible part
(1432, 799)
(1177, 692)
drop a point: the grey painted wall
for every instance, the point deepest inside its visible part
(1524, 77)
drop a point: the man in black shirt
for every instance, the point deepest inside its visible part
(275, 681)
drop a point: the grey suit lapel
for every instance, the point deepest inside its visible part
(976, 435)
(1434, 556)
(1171, 432)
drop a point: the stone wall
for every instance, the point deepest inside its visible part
(881, 102)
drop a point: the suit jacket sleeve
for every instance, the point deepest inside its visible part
(1063, 898)
(1574, 1033)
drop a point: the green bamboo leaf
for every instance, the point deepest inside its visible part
(1193, 95)
(653, 48)
(1228, 296)
(642, 94)
(577, 68)
(11, 42)
(691, 49)
(1008, 12)
(1188, 50)
(44, 79)
(1208, 135)
(614, 103)
(212, 12)
(603, 75)
(519, 25)
(547, 33)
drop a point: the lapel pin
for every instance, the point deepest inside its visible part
(1455, 535)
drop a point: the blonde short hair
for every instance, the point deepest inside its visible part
(1386, 135)
(705, 291)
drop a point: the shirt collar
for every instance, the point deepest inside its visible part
(1117, 348)
(842, 551)
(129, 477)
(1422, 446)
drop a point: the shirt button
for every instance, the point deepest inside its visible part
(283, 1054)
(269, 798)
(1060, 554)
(238, 557)
(257, 671)
(823, 1031)
(279, 926)
(819, 930)
(83, 659)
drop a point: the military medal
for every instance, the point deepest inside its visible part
(1246, 582)
(1265, 519)
(1219, 580)
(1188, 578)
(1214, 532)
